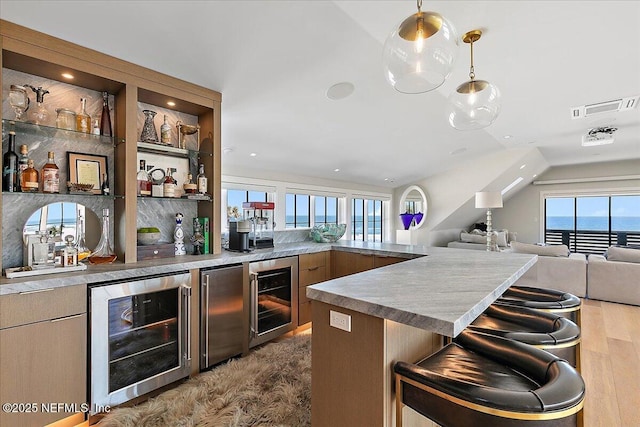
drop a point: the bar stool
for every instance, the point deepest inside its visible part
(550, 300)
(486, 380)
(555, 334)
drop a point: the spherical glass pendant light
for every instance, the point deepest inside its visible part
(419, 54)
(474, 104)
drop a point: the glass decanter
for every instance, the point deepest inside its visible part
(149, 133)
(19, 100)
(104, 253)
(81, 246)
(40, 114)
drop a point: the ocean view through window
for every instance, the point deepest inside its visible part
(590, 224)
(366, 220)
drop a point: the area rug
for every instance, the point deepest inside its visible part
(270, 387)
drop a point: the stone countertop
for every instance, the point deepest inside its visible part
(122, 272)
(442, 292)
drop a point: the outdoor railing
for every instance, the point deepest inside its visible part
(591, 241)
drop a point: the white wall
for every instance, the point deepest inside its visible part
(524, 213)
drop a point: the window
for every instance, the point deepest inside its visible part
(326, 210)
(590, 224)
(235, 198)
(367, 227)
(298, 211)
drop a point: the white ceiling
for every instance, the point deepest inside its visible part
(273, 61)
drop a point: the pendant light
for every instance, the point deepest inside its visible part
(419, 54)
(474, 104)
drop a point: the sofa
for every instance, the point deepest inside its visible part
(556, 268)
(477, 239)
(615, 276)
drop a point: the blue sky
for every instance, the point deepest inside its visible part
(595, 206)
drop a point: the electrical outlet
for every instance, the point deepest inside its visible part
(340, 320)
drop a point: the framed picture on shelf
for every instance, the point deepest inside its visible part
(86, 169)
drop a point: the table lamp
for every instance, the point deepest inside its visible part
(488, 200)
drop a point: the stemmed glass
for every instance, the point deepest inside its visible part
(19, 100)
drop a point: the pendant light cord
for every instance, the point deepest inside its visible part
(472, 74)
(419, 5)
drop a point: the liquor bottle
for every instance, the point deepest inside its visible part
(30, 179)
(105, 185)
(189, 187)
(105, 118)
(23, 163)
(169, 186)
(202, 180)
(104, 251)
(144, 185)
(69, 254)
(50, 176)
(83, 120)
(165, 132)
(10, 166)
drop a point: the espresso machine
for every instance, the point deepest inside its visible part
(261, 216)
(239, 236)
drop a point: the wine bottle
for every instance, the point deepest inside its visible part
(10, 166)
(83, 120)
(201, 179)
(165, 132)
(105, 118)
(50, 176)
(105, 185)
(30, 180)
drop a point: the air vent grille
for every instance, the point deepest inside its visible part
(614, 105)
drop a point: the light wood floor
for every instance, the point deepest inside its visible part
(611, 364)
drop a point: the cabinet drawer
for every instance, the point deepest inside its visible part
(309, 277)
(34, 306)
(307, 261)
(162, 250)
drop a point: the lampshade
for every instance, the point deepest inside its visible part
(475, 104)
(488, 199)
(420, 52)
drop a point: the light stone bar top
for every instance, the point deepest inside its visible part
(442, 292)
(122, 272)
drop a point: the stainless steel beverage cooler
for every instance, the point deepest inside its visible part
(222, 315)
(139, 336)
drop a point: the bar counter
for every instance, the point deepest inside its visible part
(397, 312)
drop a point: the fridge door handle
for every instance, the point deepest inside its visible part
(205, 293)
(254, 304)
(186, 297)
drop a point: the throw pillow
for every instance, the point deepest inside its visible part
(503, 238)
(473, 237)
(551, 250)
(615, 253)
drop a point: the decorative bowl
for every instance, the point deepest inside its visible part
(327, 233)
(148, 238)
(77, 187)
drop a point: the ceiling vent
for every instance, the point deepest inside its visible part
(622, 104)
(599, 136)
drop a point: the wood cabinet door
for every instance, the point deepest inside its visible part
(345, 263)
(382, 260)
(43, 363)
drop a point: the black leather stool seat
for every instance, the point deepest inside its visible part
(553, 333)
(558, 302)
(486, 380)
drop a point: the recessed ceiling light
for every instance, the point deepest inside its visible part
(534, 175)
(227, 150)
(253, 154)
(458, 151)
(336, 170)
(171, 104)
(523, 166)
(67, 76)
(507, 136)
(340, 90)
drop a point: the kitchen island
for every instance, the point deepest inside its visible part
(398, 312)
